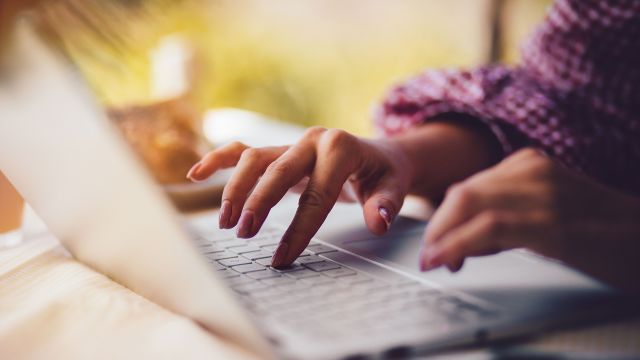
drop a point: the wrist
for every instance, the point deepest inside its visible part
(444, 152)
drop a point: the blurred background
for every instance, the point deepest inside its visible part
(308, 62)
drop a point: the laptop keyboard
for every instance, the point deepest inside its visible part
(319, 296)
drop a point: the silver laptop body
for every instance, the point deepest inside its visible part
(350, 294)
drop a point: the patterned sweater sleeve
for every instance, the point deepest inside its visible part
(575, 95)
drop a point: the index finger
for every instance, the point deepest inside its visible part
(221, 158)
(335, 163)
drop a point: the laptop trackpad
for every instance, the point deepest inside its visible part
(486, 277)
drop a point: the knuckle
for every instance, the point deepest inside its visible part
(238, 145)
(314, 131)
(313, 198)
(493, 223)
(279, 169)
(251, 154)
(461, 194)
(337, 139)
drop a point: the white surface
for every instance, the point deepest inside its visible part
(69, 163)
(222, 126)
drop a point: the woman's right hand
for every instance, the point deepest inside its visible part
(423, 161)
(378, 170)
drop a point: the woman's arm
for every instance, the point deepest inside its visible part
(575, 94)
(530, 201)
(446, 151)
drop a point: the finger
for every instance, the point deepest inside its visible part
(382, 204)
(347, 194)
(460, 205)
(484, 191)
(337, 160)
(485, 234)
(297, 161)
(250, 166)
(221, 158)
(279, 177)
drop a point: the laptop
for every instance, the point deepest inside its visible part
(350, 295)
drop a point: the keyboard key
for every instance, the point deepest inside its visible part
(221, 255)
(217, 266)
(209, 249)
(248, 268)
(319, 280)
(264, 262)
(264, 274)
(336, 273)
(234, 261)
(310, 259)
(244, 249)
(226, 274)
(357, 278)
(277, 281)
(260, 254)
(239, 279)
(320, 248)
(293, 267)
(322, 266)
(248, 287)
(302, 274)
(232, 243)
(267, 291)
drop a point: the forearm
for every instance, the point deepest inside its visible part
(446, 151)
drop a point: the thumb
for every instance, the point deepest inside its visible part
(382, 206)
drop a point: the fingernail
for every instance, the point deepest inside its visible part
(245, 224)
(280, 255)
(386, 216)
(194, 172)
(431, 259)
(225, 215)
(422, 260)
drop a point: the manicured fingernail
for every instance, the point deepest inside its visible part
(431, 258)
(280, 255)
(225, 215)
(386, 216)
(422, 260)
(193, 173)
(245, 225)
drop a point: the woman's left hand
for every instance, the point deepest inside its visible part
(530, 201)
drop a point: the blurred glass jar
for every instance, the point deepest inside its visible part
(11, 214)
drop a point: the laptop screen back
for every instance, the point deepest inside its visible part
(67, 161)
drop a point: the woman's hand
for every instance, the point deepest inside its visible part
(530, 201)
(424, 161)
(379, 172)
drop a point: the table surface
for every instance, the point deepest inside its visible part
(69, 311)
